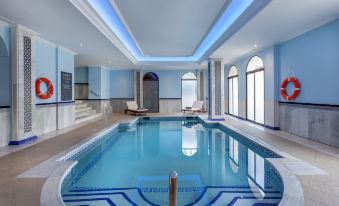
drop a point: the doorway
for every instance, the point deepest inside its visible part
(151, 92)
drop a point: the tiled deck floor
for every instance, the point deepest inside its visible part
(318, 190)
(26, 192)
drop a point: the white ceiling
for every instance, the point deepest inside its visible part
(169, 28)
(60, 22)
(281, 20)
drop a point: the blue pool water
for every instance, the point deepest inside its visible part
(131, 166)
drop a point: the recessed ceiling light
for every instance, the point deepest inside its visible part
(81, 44)
(255, 45)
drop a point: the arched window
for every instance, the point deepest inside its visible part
(189, 89)
(255, 90)
(233, 91)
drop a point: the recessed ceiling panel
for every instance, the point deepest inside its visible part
(169, 28)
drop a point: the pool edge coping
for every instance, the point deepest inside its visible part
(291, 194)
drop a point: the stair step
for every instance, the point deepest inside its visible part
(85, 113)
(82, 109)
(87, 118)
(81, 105)
(78, 102)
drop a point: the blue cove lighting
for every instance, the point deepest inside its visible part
(107, 13)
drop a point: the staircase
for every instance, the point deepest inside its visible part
(83, 112)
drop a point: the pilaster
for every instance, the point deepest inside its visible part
(216, 105)
(23, 100)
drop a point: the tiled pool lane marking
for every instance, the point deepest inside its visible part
(231, 195)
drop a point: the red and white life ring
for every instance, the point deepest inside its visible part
(296, 91)
(50, 88)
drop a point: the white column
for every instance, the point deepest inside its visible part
(138, 87)
(216, 105)
(141, 89)
(23, 98)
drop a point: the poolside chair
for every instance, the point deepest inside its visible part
(198, 106)
(132, 107)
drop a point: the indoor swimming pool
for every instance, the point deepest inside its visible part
(215, 166)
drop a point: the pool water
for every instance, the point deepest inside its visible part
(215, 166)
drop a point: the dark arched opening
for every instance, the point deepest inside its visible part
(151, 92)
(5, 77)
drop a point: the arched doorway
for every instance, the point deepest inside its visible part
(233, 91)
(189, 89)
(5, 77)
(151, 92)
(255, 90)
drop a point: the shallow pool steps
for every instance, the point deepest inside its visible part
(83, 112)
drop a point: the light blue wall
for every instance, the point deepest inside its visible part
(170, 82)
(5, 66)
(50, 62)
(314, 59)
(94, 85)
(267, 55)
(46, 66)
(122, 83)
(65, 63)
(105, 83)
(81, 75)
(5, 34)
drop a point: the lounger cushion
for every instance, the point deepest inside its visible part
(132, 105)
(197, 105)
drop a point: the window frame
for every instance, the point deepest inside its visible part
(253, 72)
(231, 78)
(182, 79)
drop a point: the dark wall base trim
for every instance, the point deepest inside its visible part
(218, 119)
(169, 98)
(54, 103)
(84, 83)
(264, 125)
(5, 107)
(23, 141)
(310, 104)
(104, 99)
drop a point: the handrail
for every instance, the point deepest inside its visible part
(91, 91)
(173, 188)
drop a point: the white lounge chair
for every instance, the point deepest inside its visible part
(198, 106)
(132, 107)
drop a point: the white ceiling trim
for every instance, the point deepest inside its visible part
(95, 19)
(89, 12)
(117, 10)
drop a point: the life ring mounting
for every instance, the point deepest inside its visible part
(50, 88)
(296, 91)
